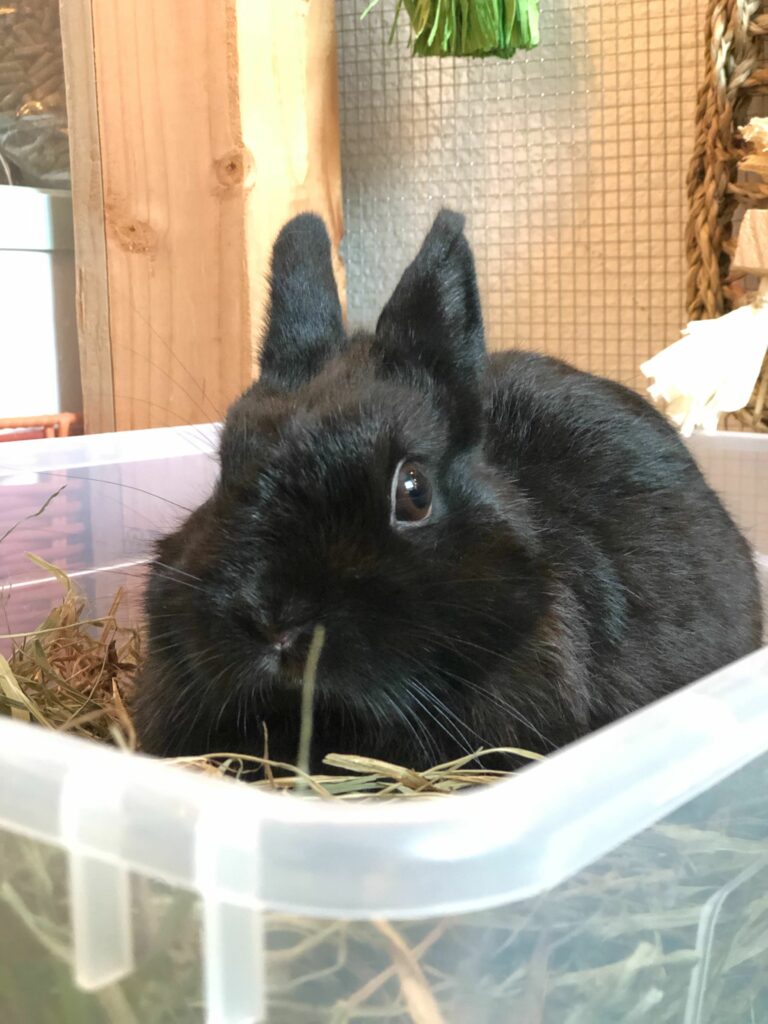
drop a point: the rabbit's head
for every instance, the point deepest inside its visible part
(353, 492)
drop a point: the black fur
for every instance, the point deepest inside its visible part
(576, 565)
(304, 326)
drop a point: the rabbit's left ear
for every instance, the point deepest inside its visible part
(433, 321)
(304, 323)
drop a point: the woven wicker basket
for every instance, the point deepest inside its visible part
(735, 75)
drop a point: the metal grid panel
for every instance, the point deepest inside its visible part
(569, 161)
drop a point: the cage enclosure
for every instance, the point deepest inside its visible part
(622, 878)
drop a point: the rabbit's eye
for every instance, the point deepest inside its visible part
(411, 494)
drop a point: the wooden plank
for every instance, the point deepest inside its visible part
(169, 128)
(289, 108)
(87, 199)
(751, 253)
(212, 125)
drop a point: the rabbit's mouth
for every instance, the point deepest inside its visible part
(282, 665)
(290, 674)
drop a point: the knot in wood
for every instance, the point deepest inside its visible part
(235, 167)
(135, 235)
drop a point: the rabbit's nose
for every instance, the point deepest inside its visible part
(290, 641)
(285, 639)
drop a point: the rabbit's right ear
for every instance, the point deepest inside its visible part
(304, 323)
(432, 327)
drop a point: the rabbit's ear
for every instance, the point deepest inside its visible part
(433, 321)
(304, 323)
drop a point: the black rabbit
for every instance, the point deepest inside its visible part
(503, 550)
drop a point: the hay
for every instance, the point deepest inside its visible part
(73, 673)
(76, 674)
(678, 914)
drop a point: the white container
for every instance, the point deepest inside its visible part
(622, 879)
(39, 361)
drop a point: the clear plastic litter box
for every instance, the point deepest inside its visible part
(623, 879)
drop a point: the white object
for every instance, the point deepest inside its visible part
(39, 362)
(712, 369)
(245, 853)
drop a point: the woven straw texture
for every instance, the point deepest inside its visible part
(734, 87)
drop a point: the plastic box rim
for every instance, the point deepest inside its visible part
(720, 723)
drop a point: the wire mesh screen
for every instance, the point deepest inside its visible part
(569, 162)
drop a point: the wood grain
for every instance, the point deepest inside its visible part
(169, 123)
(209, 125)
(289, 108)
(87, 199)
